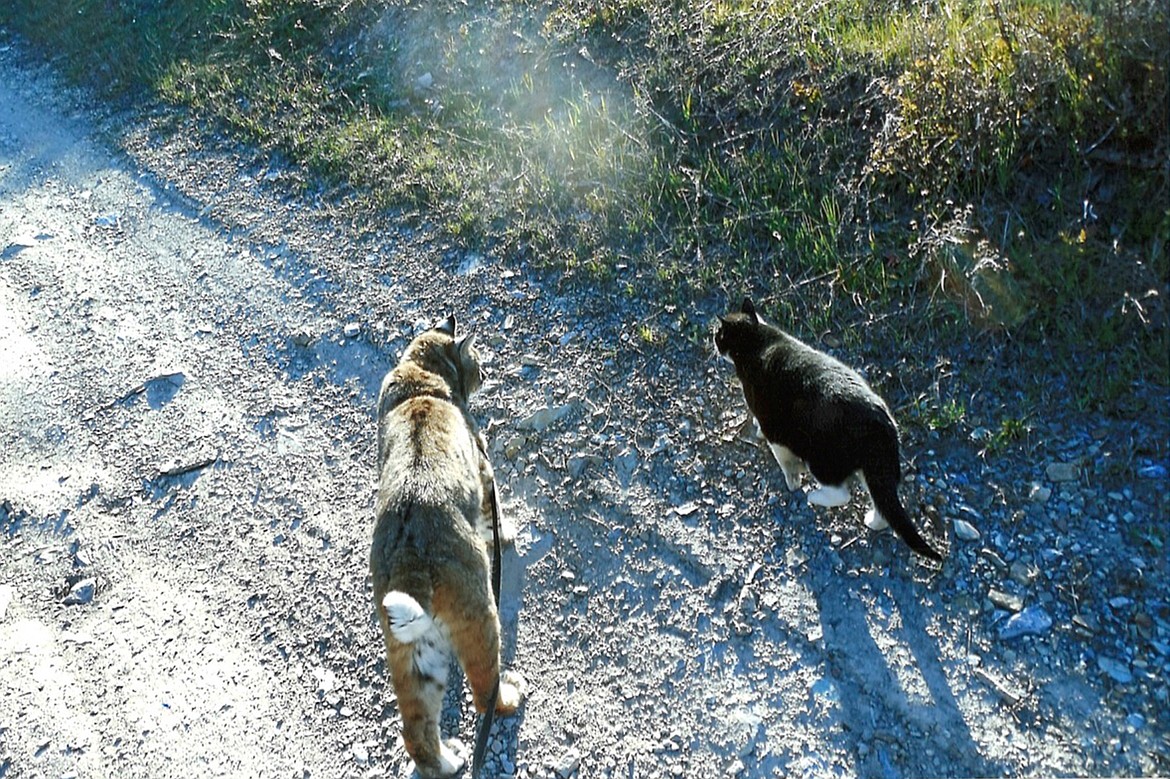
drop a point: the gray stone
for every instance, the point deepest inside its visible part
(81, 593)
(540, 420)
(965, 530)
(1154, 471)
(1023, 573)
(1038, 493)
(1005, 600)
(1087, 623)
(1062, 472)
(1032, 621)
(1116, 670)
(352, 330)
(567, 766)
(991, 556)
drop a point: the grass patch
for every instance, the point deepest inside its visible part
(1002, 160)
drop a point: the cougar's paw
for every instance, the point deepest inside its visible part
(452, 757)
(507, 532)
(512, 689)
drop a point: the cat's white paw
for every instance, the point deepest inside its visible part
(874, 520)
(792, 465)
(829, 496)
(512, 689)
(451, 756)
(792, 480)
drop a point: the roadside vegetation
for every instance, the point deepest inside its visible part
(990, 164)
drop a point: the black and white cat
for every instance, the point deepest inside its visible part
(818, 413)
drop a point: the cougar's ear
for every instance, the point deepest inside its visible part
(464, 345)
(447, 325)
(749, 308)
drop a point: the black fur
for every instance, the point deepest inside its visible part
(820, 409)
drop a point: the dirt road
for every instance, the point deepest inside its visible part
(190, 347)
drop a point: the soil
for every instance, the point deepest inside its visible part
(191, 341)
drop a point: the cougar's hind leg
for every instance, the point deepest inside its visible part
(475, 637)
(418, 672)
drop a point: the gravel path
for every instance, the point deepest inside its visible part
(190, 348)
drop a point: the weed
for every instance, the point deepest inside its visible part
(1011, 430)
(816, 151)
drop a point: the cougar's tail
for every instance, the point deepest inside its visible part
(883, 489)
(408, 621)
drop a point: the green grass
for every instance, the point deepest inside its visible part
(990, 164)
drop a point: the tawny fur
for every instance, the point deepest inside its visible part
(429, 559)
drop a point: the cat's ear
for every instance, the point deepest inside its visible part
(447, 326)
(464, 345)
(749, 308)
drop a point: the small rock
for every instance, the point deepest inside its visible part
(1039, 493)
(302, 337)
(470, 263)
(748, 727)
(326, 680)
(1006, 600)
(578, 463)
(513, 446)
(352, 330)
(965, 530)
(624, 465)
(1061, 472)
(1154, 471)
(1115, 669)
(81, 593)
(540, 420)
(991, 556)
(1033, 621)
(1087, 623)
(568, 765)
(1022, 573)
(425, 81)
(795, 557)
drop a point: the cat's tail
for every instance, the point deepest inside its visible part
(883, 489)
(408, 621)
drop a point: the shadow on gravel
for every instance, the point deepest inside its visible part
(15, 520)
(875, 695)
